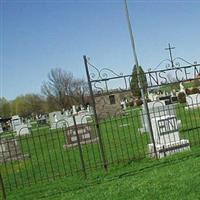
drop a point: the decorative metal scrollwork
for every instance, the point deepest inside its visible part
(175, 63)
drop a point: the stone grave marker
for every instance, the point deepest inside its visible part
(18, 126)
(10, 151)
(193, 101)
(84, 129)
(74, 112)
(156, 109)
(166, 137)
(22, 129)
(56, 120)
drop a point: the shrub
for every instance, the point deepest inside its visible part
(131, 103)
(188, 91)
(181, 97)
(138, 102)
(195, 91)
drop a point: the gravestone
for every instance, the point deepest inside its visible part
(74, 112)
(182, 89)
(156, 109)
(193, 101)
(166, 137)
(123, 104)
(56, 120)
(85, 133)
(89, 110)
(15, 121)
(18, 126)
(22, 129)
(10, 151)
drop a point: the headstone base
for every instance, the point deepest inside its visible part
(192, 106)
(164, 150)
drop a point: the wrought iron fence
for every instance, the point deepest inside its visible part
(110, 136)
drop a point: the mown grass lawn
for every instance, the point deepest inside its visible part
(176, 177)
(123, 143)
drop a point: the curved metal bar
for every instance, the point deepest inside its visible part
(169, 65)
(93, 75)
(160, 64)
(179, 58)
(99, 89)
(105, 75)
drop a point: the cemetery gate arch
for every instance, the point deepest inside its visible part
(127, 130)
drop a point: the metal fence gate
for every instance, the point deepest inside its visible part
(169, 123)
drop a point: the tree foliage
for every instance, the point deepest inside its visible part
(29, 105)
(5, 108)
(134, 82)
(63, 90)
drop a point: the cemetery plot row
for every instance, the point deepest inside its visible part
(47, 153)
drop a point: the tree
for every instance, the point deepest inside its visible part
(63, 90)
(134, 82)
(28, 105)
(5, 108)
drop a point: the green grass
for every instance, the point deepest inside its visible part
(123, 144)
(175, 177)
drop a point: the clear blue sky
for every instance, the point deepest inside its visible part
(38, 35)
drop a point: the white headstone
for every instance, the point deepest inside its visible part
(18, 126)
(156, 109)
(166, 136)
(67, 113)
(16, 121)
(22, 129)
(74, 112)
(56, 119)
(123, 104)
(193, 101)
(182, 89)
(82, 108)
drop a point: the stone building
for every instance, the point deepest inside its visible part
(109, 104)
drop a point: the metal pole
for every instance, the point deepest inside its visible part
(79, 146)
(2, 187)
(95, 115)
(138, 76)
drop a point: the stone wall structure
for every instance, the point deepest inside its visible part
(109, 104)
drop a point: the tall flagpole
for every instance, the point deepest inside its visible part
(138, 75)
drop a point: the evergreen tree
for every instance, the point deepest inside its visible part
(134, 82)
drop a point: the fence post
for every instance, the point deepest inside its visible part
(79, 147)
(2, 187)
(95, 115)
